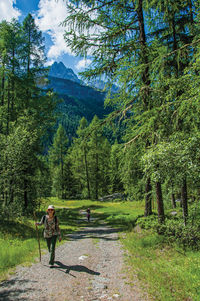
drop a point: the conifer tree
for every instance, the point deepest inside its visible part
(22, 103)
(56, 157)
(114, 47)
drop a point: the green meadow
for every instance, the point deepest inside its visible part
(165, 271)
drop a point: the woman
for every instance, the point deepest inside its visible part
(51, 231)
(88, 214)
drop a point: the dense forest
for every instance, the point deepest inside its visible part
(147, 148)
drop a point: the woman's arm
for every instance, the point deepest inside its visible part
(41, 222)
(58, 230)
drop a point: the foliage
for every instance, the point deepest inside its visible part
(149, 49)
(26, 112)
(174, 231)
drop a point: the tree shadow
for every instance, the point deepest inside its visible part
(8, 293)
(98, 233)
(77, 268)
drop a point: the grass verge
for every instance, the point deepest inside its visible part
(165, 271)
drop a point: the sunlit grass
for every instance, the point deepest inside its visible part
(118, 214)
(16, 251)
(18, 244)
(166, 272)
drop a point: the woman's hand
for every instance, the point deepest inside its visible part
(60, 238)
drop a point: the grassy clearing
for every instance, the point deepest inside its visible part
(121, 214)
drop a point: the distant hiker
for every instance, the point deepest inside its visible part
(88, 214)
(51, 231)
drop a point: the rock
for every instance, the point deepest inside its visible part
(112, 197)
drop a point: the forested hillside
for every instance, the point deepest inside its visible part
(76, 100)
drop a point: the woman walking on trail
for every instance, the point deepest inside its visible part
(51, 231)
(88, 214)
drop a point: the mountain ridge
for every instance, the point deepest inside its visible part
(59, 70)
(78, 100)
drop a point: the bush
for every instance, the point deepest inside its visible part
(174, 231)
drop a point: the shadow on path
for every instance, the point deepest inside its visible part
(9, 293)
(76, 268)
(100, 233)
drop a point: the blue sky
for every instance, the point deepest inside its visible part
(48, 15)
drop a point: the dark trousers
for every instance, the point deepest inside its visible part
(51, 244)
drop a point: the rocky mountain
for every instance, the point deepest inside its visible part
(60, 71)
(77, 100)
(102, 86)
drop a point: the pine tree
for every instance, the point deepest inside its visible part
(56, 157)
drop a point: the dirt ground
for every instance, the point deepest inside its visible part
(89, 267)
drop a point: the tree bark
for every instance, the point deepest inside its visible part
(161, 215)
(8, 111)
(173, 198)
(3, 86)
(62, 174)
(184, 200)
(173, 201)
(25, 194)
(148, 198)
(97, 172)
(191, 12)
(87, 173)
(145, 97)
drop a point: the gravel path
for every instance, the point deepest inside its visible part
(89, 267)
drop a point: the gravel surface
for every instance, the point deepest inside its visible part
(89, 267)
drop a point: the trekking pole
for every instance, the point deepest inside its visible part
(38, 237)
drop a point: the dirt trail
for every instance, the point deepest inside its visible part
(89, 267)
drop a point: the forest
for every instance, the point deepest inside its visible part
(147, 148)
(137, 168)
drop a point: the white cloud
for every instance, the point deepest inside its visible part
(50, 15)
(7, 11)
(49, 63)
(83, 64)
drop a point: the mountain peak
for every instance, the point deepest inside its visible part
(59, 70)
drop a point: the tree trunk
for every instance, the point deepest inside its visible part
(13, 85)
(184, 200)
(145, 97)
(25, 194)
(148, 198)
(144, 56)
(173, 198)
(3, 87)
(8, 111)
(173, 201)
(97, 172)
(161, 215)
(191, 12)
(87, 173)
(62, 174)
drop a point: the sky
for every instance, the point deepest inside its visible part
(48, 15)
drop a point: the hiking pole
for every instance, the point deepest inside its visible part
(38, 237)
